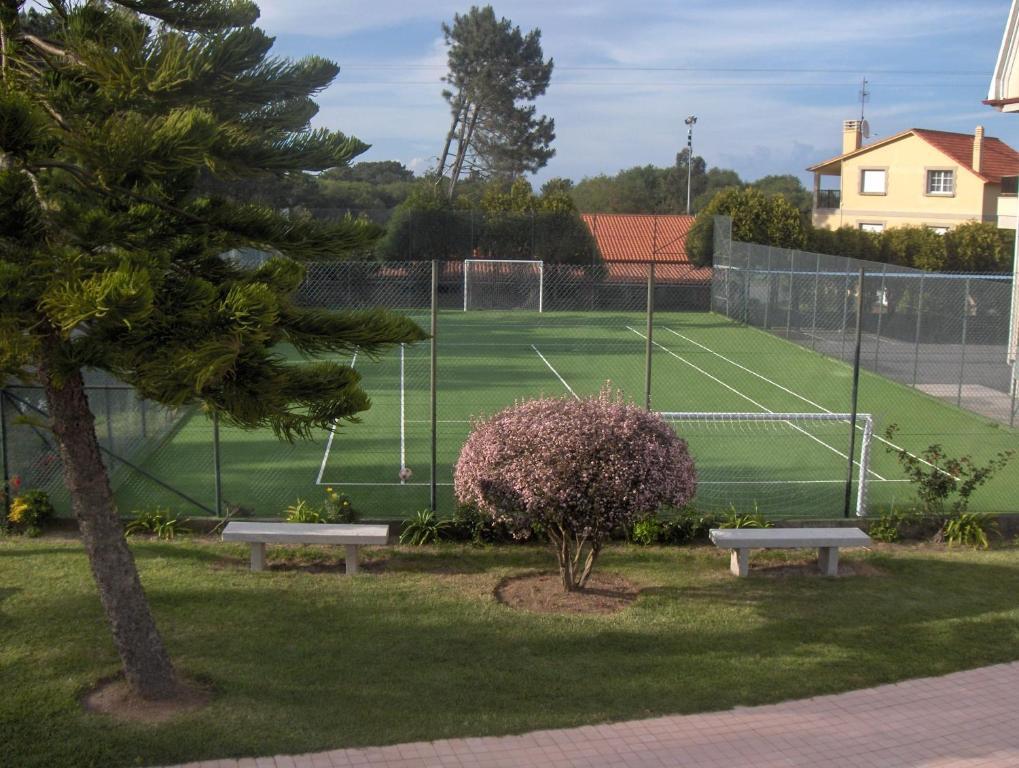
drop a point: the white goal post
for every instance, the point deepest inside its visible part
(798, 423)
(504, 284)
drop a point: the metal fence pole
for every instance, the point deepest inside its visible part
(916, 341)
(882, 299)
(143, 410)
(1015, 385)
(789, 310)
(845, 316)
(218, 475)
(854, 397)
(746, 295)
(767, 295)
(3, 449)
(433, 382)
(813, 314)
(650, 325)
(109, 424)
(962, 353)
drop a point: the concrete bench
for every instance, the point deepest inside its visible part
(260, 534)
(827, 541)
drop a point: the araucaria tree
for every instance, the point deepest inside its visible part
(110, 113)
(494, 72)
(575, 469)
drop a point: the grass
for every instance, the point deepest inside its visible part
(487, 360)
(420, 650)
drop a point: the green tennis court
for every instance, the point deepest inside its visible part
(702, 362)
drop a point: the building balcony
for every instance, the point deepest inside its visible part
(828, 199)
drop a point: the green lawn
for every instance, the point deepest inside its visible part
(420, 650)
(488, 360)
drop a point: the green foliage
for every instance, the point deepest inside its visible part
(646, 531)
(687, 527)
(423, 528)
(161, 523)
(303, 512)
(29, 512)
(979, 247)
(968, 529)
(789, 187)
(338, 508)
(889, 527)
(756, 218)
(944, 484)
(745, 520)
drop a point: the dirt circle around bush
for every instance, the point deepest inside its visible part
(113, 697)
(604, 593)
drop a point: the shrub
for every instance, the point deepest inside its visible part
(687, 527)
(745, 520)
(29, 512)
(646, 531)
(338, 508)
(967, 529)
(423, 528)
(160, 522)
(577, 469)
(938, 477)
(303, 512)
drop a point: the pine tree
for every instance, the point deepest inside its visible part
(111, 112)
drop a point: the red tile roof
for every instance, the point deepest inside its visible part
(639, 237)
(997, 159)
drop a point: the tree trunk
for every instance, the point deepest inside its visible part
(463, 142)
(449, 140)
(146, 663)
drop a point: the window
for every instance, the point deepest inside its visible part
(873, 181)
(940, 182)
(872, 227)
(938, 230)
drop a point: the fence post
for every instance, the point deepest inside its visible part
(109, 424)
(767, 295)
(880, 315)
(650, 324)
(746, 294)
(1015, 385)
(789, 310)
(144, 411)
(433, 382)
(854, 396)
(916, 340)
(813, 313)
(845, 315)
(218, 475)
(3, 449)
(962, 353)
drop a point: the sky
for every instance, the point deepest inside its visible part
(770, 81)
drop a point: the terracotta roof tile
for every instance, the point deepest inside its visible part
(997, 159)
(639, 237)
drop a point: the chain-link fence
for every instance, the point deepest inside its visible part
(707, 348)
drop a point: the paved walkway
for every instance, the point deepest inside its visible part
(963, 720)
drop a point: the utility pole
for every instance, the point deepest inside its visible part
(690, 122)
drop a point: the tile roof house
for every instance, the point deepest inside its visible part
(627, 241)
(921, 177)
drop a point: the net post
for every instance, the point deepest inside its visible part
(541, 286)
(6, 463)
(855, 396)
(216, 469)
(962, 353)
(432, 385)
(648, 344)
(916, 340)
(862, 484)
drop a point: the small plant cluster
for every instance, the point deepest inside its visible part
(689, 526)
(159, 522)
(29, 510)
(336, 507)
(574, 469)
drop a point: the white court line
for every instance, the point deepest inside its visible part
(749, 399)
(890, 444)
(439, 421)
(786, 482)
(555, 372)
(403, 416)
(393, 485)
(329, 442)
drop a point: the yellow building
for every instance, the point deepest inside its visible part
(920, 177)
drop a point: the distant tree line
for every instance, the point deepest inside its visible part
(770, 219)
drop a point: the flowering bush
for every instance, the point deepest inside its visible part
(574, 470)
(29, 511)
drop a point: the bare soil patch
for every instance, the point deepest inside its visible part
(113, 697)
(543, 593)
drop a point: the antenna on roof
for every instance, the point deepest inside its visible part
(864, 97)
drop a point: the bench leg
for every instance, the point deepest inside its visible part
(739, 562)
(350, 562)
(257, 556)
(828, 560)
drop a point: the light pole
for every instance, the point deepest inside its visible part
(690, 121)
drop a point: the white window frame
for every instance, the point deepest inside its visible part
(938, 229)
(928, 187)
(863, 181)
(877, 227)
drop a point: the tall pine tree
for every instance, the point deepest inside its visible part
(111, 113)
